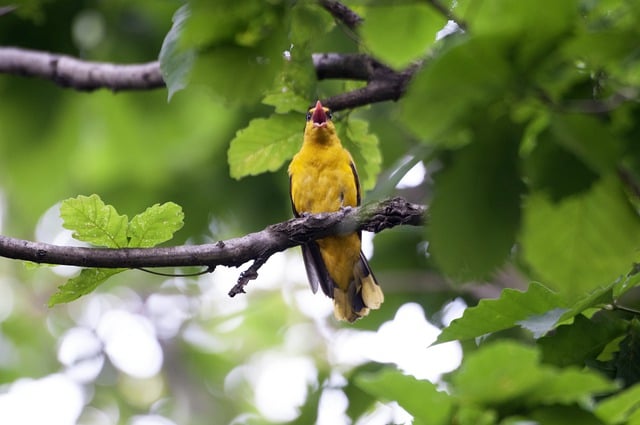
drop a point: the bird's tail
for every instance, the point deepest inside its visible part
(363, 294)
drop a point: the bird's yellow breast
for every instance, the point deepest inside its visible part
(322, 179)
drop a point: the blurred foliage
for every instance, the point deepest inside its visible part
(526, 121)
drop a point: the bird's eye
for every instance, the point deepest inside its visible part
(308, 116)
(329, 115)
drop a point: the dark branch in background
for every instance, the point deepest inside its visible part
(257, 246)
(67, 71)
(342, 13)
(383, 83)
(5, 10)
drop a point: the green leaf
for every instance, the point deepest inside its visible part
(509, 372)
(583, 242)
(626, 359)
(595, 299)
(222, 68)
(513, 23)
(552, 168)
(237, 41)
(265, 144)
(507, 17)
(364, 148)
(470, 414)
(498, 372)
(94, 222)
(570, 385)
(285, 100)
(512, 308)
(156, 225)
(589, 139)
(617, 408)
(309, 23)
(85, 283)
(244, 22)
(585, 338)
(456, 86)
(420, 398)
(475, 212)
(415, 26)
(562, 415)
(176, 61)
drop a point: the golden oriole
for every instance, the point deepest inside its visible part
(323, 178)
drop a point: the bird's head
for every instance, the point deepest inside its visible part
(319, 120)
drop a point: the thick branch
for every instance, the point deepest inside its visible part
(342, 13)
(233, 252)
(67, 71)
(383, 83)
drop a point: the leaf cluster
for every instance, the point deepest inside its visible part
(94, 222)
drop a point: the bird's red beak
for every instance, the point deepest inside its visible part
(319, 116)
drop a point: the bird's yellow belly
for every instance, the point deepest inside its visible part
(340, 253)
(324, 189)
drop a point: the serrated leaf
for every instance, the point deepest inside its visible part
(599, 226)
(585, 338)
(415, 27)
(156, 225)
(364, 148)
(265, 144)
(512, 308)
(475, 212)
(594, 299)
(419, 397)
(176, 61)
(630, 281)
(85, 283)
(286, 100)
(92, 221)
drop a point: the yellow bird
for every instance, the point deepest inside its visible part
(323, 178)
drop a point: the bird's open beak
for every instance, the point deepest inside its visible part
(319, 116)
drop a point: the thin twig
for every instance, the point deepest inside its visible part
(447, 13)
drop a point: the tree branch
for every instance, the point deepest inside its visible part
(233, 252)
(342, 13)
(383, 83)
(67, 71)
